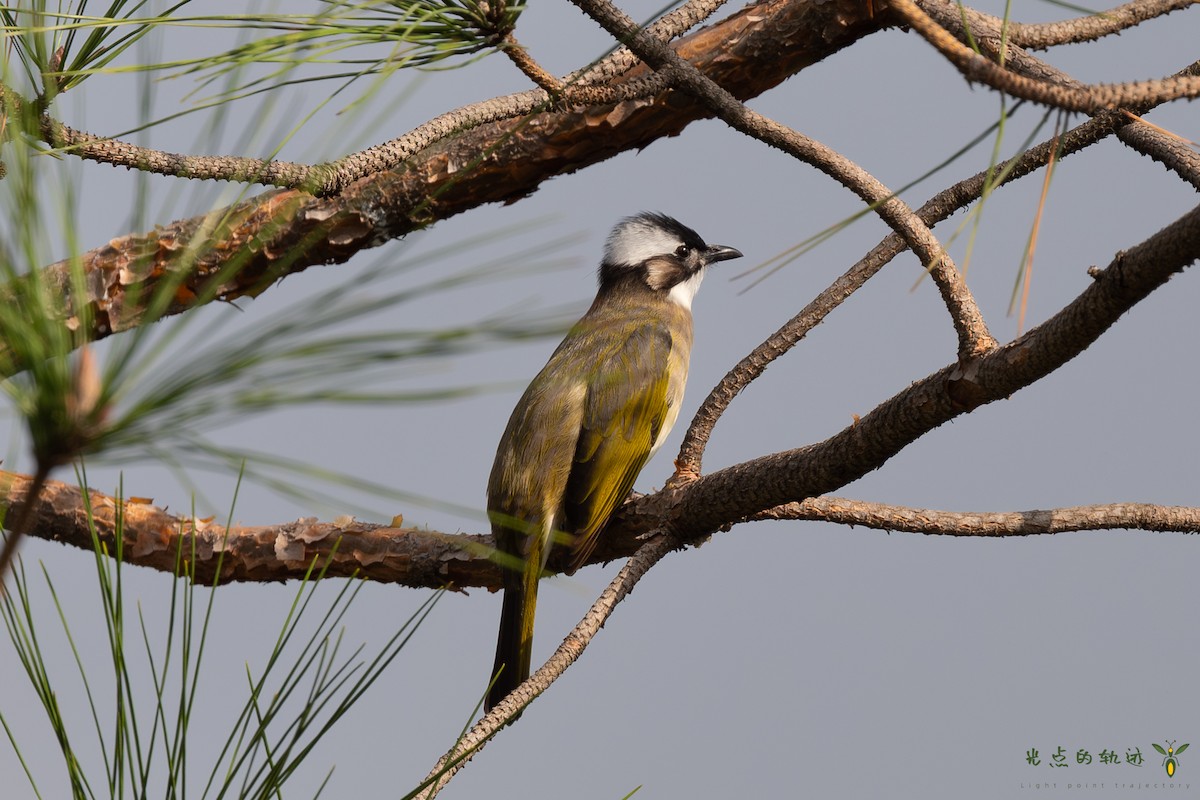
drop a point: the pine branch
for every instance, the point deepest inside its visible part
(717, 499)
(1089, 99)
(286, 231)
(1175, 155)
(1108, 516)
(421, 558)
(1088, 28)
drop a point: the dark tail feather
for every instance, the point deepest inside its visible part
(514, 646)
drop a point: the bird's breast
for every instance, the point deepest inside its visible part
(678, 362)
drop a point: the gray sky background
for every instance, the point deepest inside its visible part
(777, 660)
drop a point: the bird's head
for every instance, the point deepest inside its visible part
(660, 253)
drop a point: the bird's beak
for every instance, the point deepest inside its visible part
(719, 252)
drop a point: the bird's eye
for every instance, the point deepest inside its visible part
(682, 250)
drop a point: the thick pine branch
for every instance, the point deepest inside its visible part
(286, 231)
(422, 558)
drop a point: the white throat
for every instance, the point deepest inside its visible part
(682, 293)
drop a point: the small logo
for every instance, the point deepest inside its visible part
(1170, 756)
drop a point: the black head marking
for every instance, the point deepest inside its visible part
(639, 238)
(654, 251)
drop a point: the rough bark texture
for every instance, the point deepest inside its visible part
(240, 250)
(155, 538)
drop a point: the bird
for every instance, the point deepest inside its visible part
(592, 417)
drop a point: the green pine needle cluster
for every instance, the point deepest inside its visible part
(141, 733)
(58, 49)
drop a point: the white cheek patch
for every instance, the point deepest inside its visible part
(637, 241)
(682, 293)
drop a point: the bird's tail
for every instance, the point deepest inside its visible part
(514, 646)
